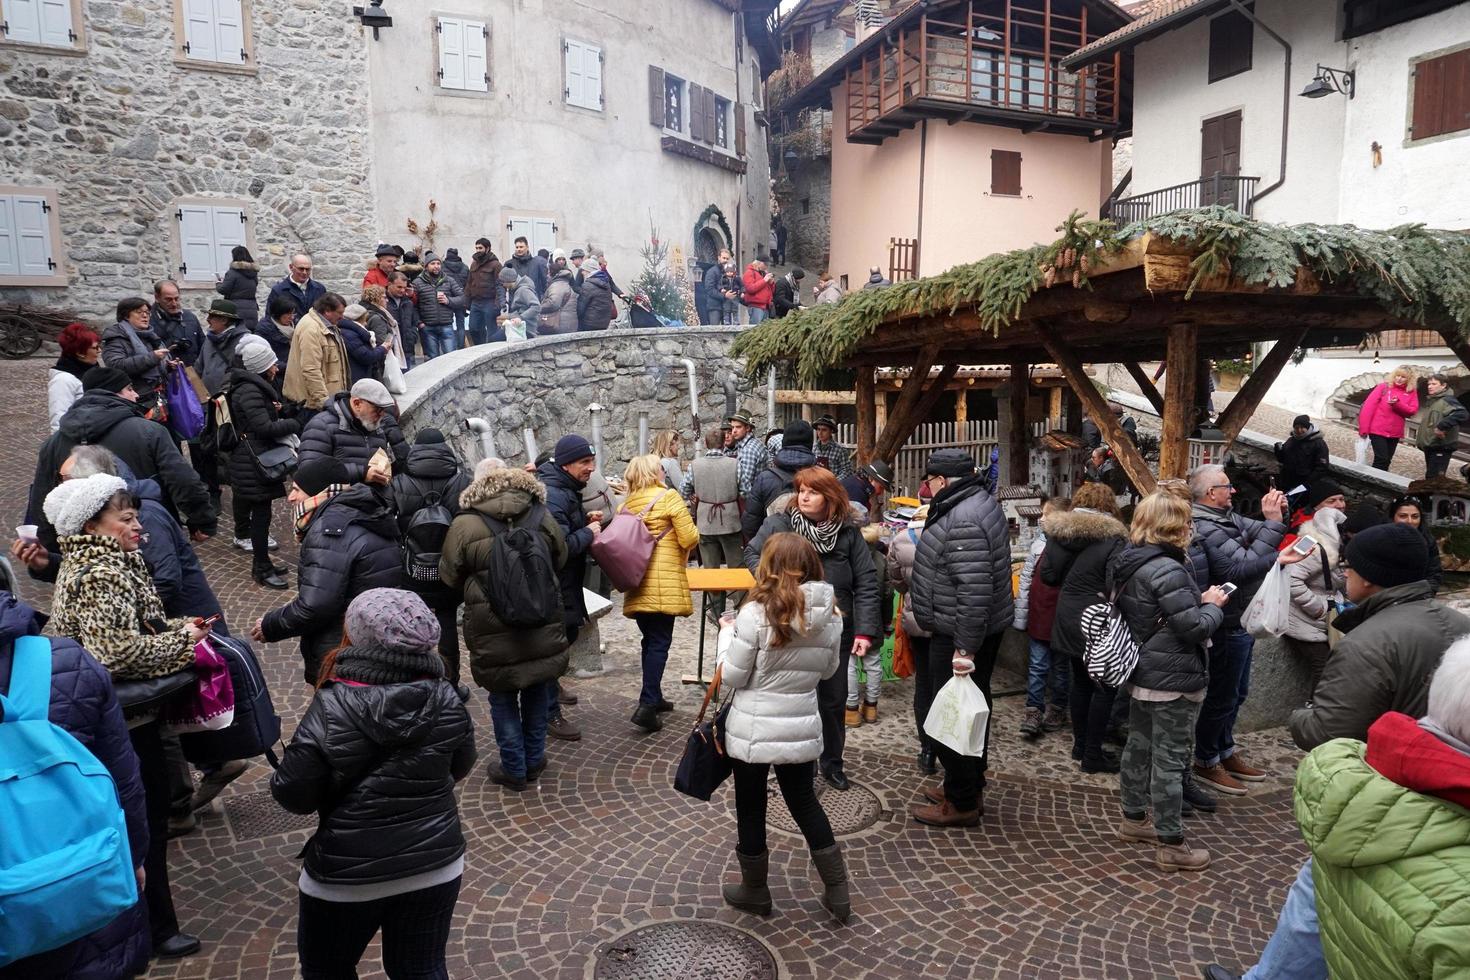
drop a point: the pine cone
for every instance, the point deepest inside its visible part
(1076, 278)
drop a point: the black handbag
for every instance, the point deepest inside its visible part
(704, 765)
(152, 694)
(276, 463)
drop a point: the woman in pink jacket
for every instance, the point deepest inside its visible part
(1383, 414)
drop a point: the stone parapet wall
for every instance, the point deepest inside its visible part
(547, 384)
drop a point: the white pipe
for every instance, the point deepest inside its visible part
(771, 399)
(693, 393)
(487, 436)
(642, 433)
(596, 411)
(531, 450)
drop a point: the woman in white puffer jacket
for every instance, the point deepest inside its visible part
(1314, 582)
(785, 641)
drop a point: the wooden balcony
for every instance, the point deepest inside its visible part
(993, 62)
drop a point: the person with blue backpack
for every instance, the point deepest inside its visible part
(53, 694)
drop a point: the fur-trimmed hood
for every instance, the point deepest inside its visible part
(856, 516)
(503, 492)
(1082, 524)
(244, 267)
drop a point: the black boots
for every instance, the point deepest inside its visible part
(751, 895)
(645, 716)
(833, 869)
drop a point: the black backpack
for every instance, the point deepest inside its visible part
(423, 540)
(520, 582)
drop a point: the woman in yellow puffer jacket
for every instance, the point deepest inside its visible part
(663, 594)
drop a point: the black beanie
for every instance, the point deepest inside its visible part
(1388, 554)
(429, 437)
(571, 448)
(1362, 517)
(1320, 490)
(1302, 422)
(317, 474)
(105, 379)
(797, 433)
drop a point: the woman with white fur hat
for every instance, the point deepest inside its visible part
(258, 415)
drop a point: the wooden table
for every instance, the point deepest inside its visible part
(705, 581)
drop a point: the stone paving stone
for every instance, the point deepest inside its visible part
(603, 844)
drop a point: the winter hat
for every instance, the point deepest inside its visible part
(393, 640)
(1302, 422)
(430, 258)
(373, 392)
(105, 379)
(577, 253)
(950, 463)
(560, 253)
(355, 312)
(451, 253)
(1320, 490)
(315, 475)
(797, 433)
(571, 448)
(384, 250)
(75, 502)
(1362, 517)
(508, 274)
(429, 437)
(798, 273)
(255, 354)
(1388, 554)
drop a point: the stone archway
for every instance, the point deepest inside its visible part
(1349, 396)
(707, 245)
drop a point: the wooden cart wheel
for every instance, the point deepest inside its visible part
(19, 338)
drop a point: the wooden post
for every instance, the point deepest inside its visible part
(1018, 445)
(1054, 408)
(908, 396)
(903, 422)
(867, 415)
(1140, 377)
(1235, 415)
(1092, 400)
(961, 408)
(1179, 384)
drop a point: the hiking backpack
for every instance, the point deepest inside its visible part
(520, 582)
(423, 540)
(60, 879)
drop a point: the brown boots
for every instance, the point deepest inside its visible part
(753, 895)
(833, 869)
(1181, 857)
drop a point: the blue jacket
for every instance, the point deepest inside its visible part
(270, 332)
(564, 500)
(177, 574)
(83, 703)
(302, 301)
(364, 360)
(184, 327)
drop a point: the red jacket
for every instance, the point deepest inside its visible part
(1379, 418)
(1406, 754)
(758, 291)
(374, 277)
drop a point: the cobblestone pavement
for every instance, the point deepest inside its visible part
(604, 845)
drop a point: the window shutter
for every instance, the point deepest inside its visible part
(32, 235)
(709, 116)
(592, 76)
(199, 31)
(1441, 95)
(739, 111)
(656, 96)
(56, 26)
(23, 23)
(229, 32)
(572, 69)
(196, 241)
(1005, 172)
(543, 234)
(696, 112)
(229, 231)
(451, 52)
(476, 57)
(9, 253)
(520, 228)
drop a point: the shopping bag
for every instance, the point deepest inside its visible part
(903, 650)
(185, 414)
(704, 764)
(1269, 613)
(393, 375)
(210, 704)
(515, 330)
(958, 717)
(1361, 449)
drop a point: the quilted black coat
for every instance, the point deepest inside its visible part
(432, 469)
(83, 703)
(961, 585)
(378, 764)
(253, 403)
(351, 545)
(564, 500)
(1160, 602)
(335, 431)
(1229, 547)
(1079, 546)
(848, 568)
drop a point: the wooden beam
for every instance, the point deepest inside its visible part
(1097, 409)
(1182, 369)
(1145, 385)
(1248, 398)
(961, 407)
(867, 416)
(1018, 445)
(900, 425)
(804, 396)
(908, 397)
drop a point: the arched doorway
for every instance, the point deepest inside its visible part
(707, 245)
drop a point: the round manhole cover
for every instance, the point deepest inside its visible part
(849, 811)
(680, 950)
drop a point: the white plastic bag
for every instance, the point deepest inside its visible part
(393, 375)
(1269, 613)
(1361, 450)
(959, 716)
(515, 330)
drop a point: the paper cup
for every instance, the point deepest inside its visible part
(26, 532)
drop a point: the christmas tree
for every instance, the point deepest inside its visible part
(686, 289)
(655, 282)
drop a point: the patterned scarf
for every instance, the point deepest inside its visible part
(308, 507)
(822, 536)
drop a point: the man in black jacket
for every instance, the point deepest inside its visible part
(795, 454)
(403, 305)
(961, 593)
(565, 477)
(175, 326)
(106, 415)
(351, 427)
(787, 296)
(1303, 457)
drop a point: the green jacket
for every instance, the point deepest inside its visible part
(1440, 411)
(1391, 869)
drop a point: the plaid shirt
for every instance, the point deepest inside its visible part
(686, 490)
(751, 454)
(835, 456)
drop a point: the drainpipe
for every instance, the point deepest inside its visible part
(693, 393)
(531, 449)
(642, 433)
(771, 398)
(732, 395)
(487, 436)
(597, 411)
(1285, 94)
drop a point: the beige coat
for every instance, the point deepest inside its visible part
(317, 368)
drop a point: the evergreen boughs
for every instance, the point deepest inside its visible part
(1411, 271)
(656, 282)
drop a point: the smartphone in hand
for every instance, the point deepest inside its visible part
(1304, 544)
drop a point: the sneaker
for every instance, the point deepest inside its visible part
(244, 544)
(1216, 778)
(870, 712)
(559, 727)
(1031, 724)
(212, 783)
(1196, 798)
(1137, 831)
(1182, 857)
(1242, 770)
(853, 718)
(1055, 719)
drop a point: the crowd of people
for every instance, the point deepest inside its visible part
(396, 539)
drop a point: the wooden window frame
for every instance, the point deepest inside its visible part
(52, 197)
(247, 41)
(77, 48)
(1250, 54)
(176, 244)
(435, 82)
(686, 112)
(1409, 138)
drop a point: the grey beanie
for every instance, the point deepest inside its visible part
(508, 274)
(255, 354)
(75, 502)
(394, 619)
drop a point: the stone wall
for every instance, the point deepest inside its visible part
(809, 231)
(121, 132)
(548, 383)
